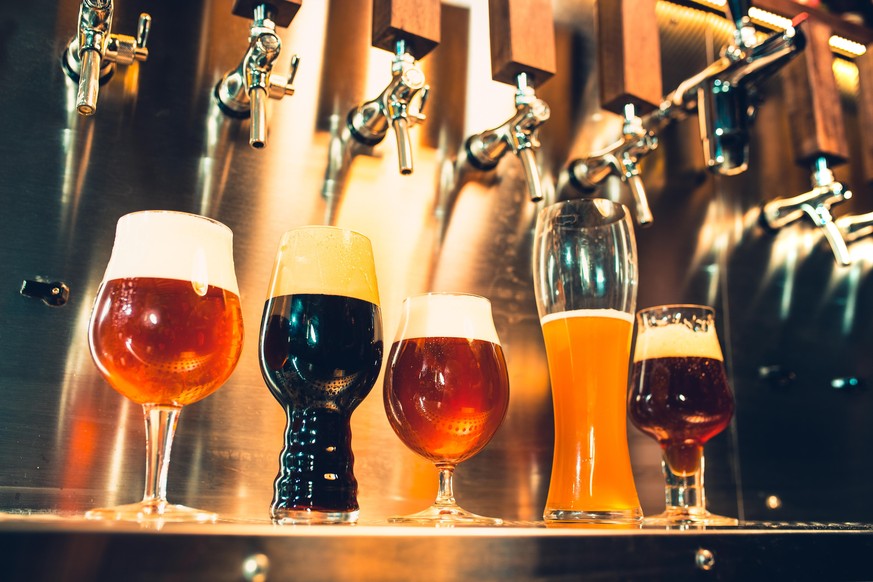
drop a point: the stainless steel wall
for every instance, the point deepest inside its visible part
(69, 442)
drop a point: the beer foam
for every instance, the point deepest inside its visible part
(325, 260)
(447, 315)
(613, 313)
(676, 341)
(173, 245)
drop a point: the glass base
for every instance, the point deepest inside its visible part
(152, 511)
(312, 517)
(445, 516)
(622, 516)
(688, 516)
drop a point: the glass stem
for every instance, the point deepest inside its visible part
(160, 425)
(445, 494)
(685, 493)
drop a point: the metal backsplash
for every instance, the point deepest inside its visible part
(68, 442)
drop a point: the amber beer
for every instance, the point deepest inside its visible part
(679, 392)
(588, 353)
(161, 341)
(446, 396)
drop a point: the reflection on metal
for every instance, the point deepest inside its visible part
(243, 92)
(92, 54)
(816, 205)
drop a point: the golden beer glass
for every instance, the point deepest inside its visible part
(585, 279)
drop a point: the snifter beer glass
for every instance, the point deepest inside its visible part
(585, 279)
(320, 354)
(166, 330)
(446, 391)
(679, 395)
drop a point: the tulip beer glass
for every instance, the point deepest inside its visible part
(446, 391)
(320, 354)
(680, 396)
(166, 331)
(585, 279)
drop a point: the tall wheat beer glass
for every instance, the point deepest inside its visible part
(320, 354)
(166, 330)
(585, 278)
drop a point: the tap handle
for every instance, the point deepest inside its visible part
(813, 100)
(416, 23)
(522, 40)
(865, 110)
(835, 238)
(629, 57)
(282, 12)
(143, 28)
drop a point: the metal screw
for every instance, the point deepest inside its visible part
(704, 559)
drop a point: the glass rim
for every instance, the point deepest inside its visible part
(325, 227)
(193, 215)
(587, 202)
(446, 294)
(677, 307)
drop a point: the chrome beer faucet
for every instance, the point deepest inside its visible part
(855, 227)
(243, 91)
(91, 56)
(815, 204)
(518, 134)
(368, 123)
(725, 93)
(619, 159)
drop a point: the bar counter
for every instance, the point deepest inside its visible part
(40, 547)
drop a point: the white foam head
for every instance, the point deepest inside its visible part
(447, 315)
(325, 260)
(173, 245)
(613, 313)
(676, 341)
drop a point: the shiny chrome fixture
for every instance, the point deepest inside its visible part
(91, 55)
(518, 135)
(369, 122)
(815, 204)
(243, 91)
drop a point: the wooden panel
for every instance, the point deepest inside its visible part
(283, 10)
(865, 110)
(629, 55)
(415, 21)
(813, 101)
(522, 40)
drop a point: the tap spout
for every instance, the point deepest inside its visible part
(855, 227)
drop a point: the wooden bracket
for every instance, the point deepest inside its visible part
(522, 40)
(417, 22)
(865, 110)
(283, 10)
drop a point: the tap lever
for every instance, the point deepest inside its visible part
(415, 22)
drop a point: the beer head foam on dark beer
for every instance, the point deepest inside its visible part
(173, 245)
(676, 341)
(448, 315)
(325, 260)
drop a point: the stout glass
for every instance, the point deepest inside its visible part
(680, 396)
(166, 331)
(585, 279)
(320, 354)
(446, 391)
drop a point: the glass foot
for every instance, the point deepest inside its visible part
(313, 517)
(688, 517)
(445, 516)
(147, 511)
(618, 517)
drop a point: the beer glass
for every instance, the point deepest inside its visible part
(166, 330)
(320, 353)
(585, 280)
(679, 396)
(446, 391)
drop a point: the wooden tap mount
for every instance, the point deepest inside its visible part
(629, 55)
(813, 101)
(865, 110)
(417, 22)
(283, 11)
(522, 40)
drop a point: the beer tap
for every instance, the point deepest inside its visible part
(91, 56)
(725, 93)
(817, 128)
(630, 85)
(243, 91)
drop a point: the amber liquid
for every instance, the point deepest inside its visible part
(446, 397)
(588, 362)
(682, 402)
(159, 341)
